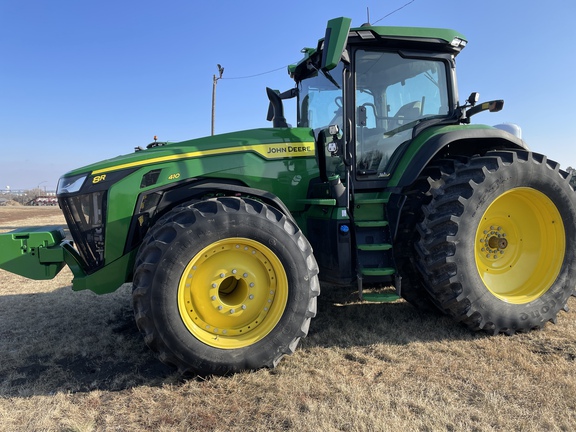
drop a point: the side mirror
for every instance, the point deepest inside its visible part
(492, 106)
(275, 109)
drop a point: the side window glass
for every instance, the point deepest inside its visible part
(423, 88)
(392, 94)
(320, 100)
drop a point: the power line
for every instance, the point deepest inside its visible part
(393, 12)
(284, 67)
(256, 75)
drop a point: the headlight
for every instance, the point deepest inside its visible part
(70, 184)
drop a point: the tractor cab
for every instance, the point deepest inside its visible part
(367, 93)
(386, 87)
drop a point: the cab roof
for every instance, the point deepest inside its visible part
(419, 38)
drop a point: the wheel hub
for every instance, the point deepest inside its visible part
(493, 242)
(233, 293)
(228, 294)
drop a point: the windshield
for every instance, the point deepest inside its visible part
(392, 95)
(320, 100)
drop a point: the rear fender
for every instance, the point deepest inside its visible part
(466, 141)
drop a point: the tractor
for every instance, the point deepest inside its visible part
(383, 181)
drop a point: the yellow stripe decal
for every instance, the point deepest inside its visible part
(267, 151)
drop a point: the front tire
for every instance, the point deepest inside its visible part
(497, 245)
(224, 285)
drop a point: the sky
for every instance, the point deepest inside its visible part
(82, 81)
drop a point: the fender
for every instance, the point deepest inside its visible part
(166, 198)
(465, 141)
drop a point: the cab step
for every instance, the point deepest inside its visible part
(375, 247)
(380, 297)
(384, 271)
(372, 224)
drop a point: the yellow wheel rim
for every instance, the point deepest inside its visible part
(233, 293)
(519, 245)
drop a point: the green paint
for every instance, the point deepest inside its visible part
(33, 252)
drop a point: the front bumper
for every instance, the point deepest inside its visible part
(41, 252)
(33, 252)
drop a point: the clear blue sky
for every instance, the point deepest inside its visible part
(82, 81)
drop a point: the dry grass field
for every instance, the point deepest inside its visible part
(74, 361)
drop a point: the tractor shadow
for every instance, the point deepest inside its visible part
(64, 341)
(343, 321)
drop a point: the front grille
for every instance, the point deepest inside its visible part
(85, 215)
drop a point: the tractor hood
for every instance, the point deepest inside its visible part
(269, 143)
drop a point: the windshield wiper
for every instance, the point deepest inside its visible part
(332, 80)
(402, 128)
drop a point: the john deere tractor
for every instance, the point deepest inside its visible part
(383, 180)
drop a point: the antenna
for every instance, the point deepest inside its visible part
(367, 14)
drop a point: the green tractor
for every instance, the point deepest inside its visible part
(383, 181)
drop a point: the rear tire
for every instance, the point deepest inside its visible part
(224, 285)
(497, 244)
(417, 196)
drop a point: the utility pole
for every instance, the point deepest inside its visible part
(214, 81)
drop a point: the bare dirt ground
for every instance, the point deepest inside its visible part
(75, 361)
(22, 214)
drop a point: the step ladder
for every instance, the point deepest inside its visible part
(373, 241)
